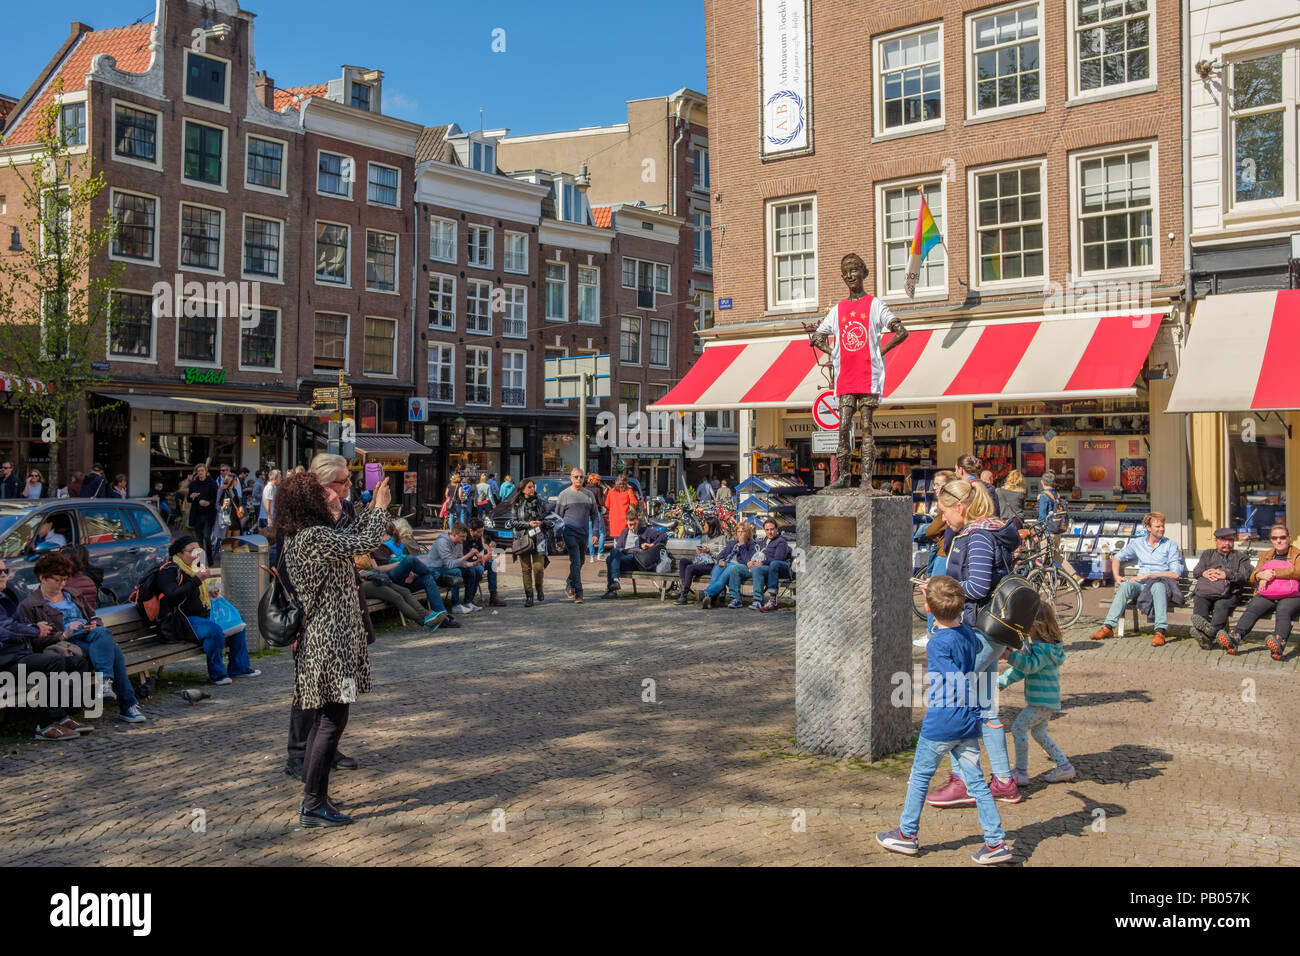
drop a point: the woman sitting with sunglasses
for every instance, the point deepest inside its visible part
(1277, 581)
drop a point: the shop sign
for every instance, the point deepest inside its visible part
(904, 424)
(204, 376)
(389, 459)
(724, 304)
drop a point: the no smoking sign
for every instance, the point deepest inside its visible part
(824, 411)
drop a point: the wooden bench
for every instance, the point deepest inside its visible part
(142, 646)
(1187, 584)
(665, 583)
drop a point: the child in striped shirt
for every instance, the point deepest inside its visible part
(1038, 663)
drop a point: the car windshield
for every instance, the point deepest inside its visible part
(7, 522)
(12, 543)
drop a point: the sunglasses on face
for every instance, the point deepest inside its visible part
(1279, 537)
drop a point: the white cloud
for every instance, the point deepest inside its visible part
(396, 101)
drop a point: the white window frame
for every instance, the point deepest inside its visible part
(878, 83)
(434, 221)
(392, 363)
(471, 364)
(809, 303)
(383, 205)
(439, 278)
(650, 348)
(451, 372)
(278, 278)
(640, 339)
(1076, 235)
(700, 183)
(477, 229)
(564, 353)
(486, 149)
(703, 260)
(176, 347)
(224, 105)
(152, 359)
(157, 220)
(546, 291)
(517, 269)
(66, 219)
(347, 256)
(631, 414)
(77, 98)
(703, 305)
(225, 156)
(284, 165)
(972, 209)
(923, 293)
(349, 162)
(279, 344)
(347, 340)
(1073, 93)
(487, 306)
(972, 88)
(509, 292)
(594, 271)
(397, 263)
(157, 136)
(221, 241)
(1290, 134)
(523, 377)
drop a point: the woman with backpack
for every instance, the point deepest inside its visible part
(980, 556)
(483, 500)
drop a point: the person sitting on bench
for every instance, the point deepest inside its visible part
(768, 565)
(448, 559)
(635, 549)
(1221, 572)
(1277, 581)
(738, 551)
(406, 571)
(1160, 565)
(705, 560)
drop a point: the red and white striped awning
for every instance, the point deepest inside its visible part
(1050, 357)
(16, 383)
(1241, 355)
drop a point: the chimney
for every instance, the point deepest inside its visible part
(264, 86)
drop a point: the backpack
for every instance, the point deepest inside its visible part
(1059, 519)
(147, 596)
(1007, 615)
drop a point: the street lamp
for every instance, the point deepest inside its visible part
(583, 179)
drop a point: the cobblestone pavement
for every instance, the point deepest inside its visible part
(525, 737)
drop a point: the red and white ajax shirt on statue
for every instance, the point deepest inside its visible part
(858, 325)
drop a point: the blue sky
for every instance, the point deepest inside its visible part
(564, 66)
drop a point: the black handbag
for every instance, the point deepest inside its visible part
(1008, 615)
(279, 612)
(522, 543)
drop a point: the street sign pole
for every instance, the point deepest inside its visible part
(582, 423)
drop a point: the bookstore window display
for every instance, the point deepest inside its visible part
(1256, 473)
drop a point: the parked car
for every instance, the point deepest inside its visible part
(497, 523)
(124, 537)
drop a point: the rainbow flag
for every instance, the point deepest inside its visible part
(926, 238)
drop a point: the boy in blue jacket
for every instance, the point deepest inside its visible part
(951, 725)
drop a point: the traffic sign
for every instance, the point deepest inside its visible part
(824, 411)
(825, 442)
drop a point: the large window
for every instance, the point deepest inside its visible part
(1116, 215)
(516, 252)
(1261, 97)
(72, 123)
(569, 203)
(331, 340)
(442, 382)
(331, 253)
(792, 251)
(197, 330)
(135, 134)
(381, 261)
(910, 79)
(659, 342)
(381, 184)
(557, 291)
(259, 344)
(703, 240)
(334, 174)
(1112, 44)
(262, 247)
(442, 240)
(1009, 228)
(629, 340)
(513, 391)
(480, 246)
(137, 226)
(1004, 49)
(515, 317)
(648, 278)
(203, 153)
(131, 332)
(900, 206)
(629, 399)
(265, 164)
(205, 78)
(478, 307)
(589, 295)
(1256, 471)
(442, 303)
(700, 155)
(361, 96)
(200, 237)
(483, 157)
(478, 376)
(380, 346)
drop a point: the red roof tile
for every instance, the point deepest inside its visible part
(602, 216)
(295, 95)
(129, 46)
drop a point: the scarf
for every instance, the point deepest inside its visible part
(203, 590)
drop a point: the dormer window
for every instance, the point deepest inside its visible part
(483, 157)
(361, 96)
(570, 206)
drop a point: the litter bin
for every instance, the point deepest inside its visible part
(243, 578)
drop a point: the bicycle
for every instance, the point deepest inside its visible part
(1042, 567)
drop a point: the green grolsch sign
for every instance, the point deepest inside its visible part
(205, 376)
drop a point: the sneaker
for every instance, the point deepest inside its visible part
(1276, 647)
(683, 598)
(1103, 632)
(1021, 777)
(1202, 631)
(769, 606)
(67, 723)
(450, 622)
(223, 682)
(951, 794)
(736, 604)
(577, 599)
(1158, 640)
(132, 715)
(611, 593)
(921, 641)
(461, 609)
(472, 607)
(894, 840)
(1061, 774)
(55, 732)
(106, 689)
(436, 618)
(706, 602)
(253, 673)
(1004, 792)
(1229, 642)
(993, 854)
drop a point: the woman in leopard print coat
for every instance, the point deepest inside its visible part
(331, 661)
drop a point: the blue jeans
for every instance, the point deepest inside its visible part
(1131, 589)
(424, 578)
(575, 545)
(718, 580)
(107, 658)
(767, 577)
(965, 756)
(490, 573)
(469, 577)
(460, 512)
(596, 527)
(992, 731)
(616, 562)
(737, 573)
(213, 638)
(938, 565)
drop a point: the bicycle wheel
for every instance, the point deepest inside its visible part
(918, 597)
(1061, 591)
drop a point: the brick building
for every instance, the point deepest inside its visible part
(1046, 141)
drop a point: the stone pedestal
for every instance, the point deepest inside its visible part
(853, 626)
